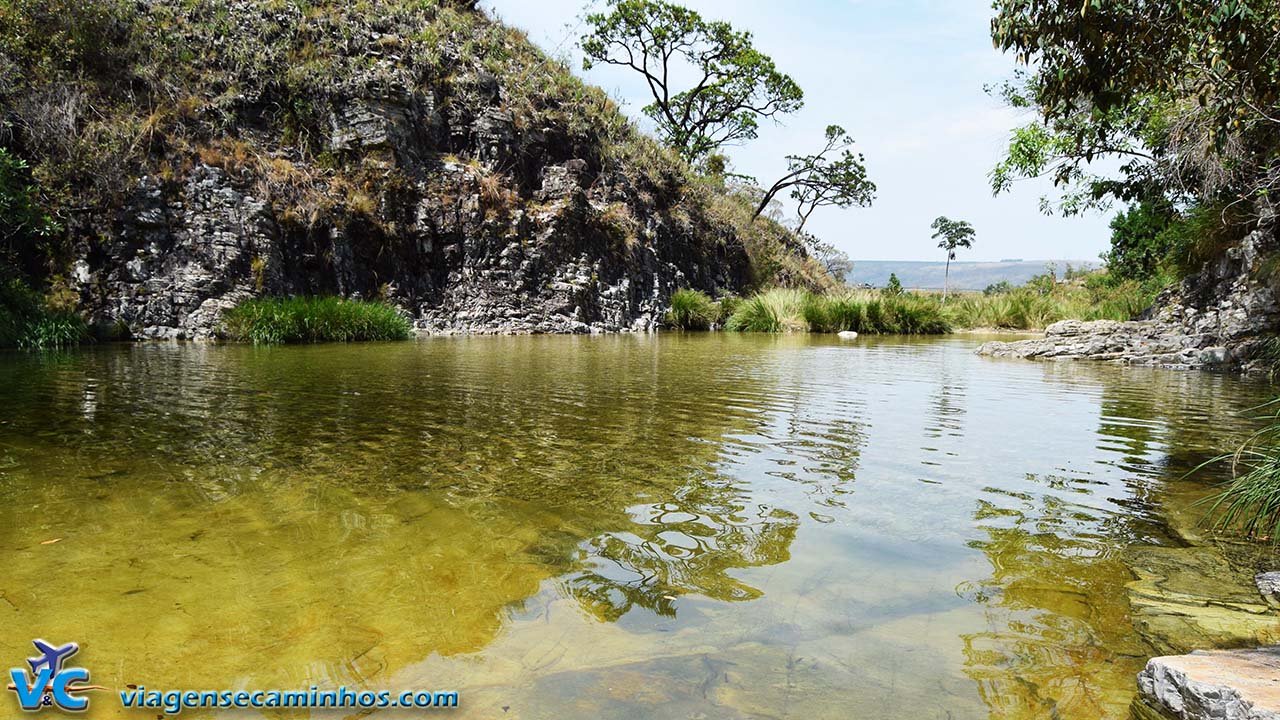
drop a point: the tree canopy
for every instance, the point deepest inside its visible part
(1185, 94)
(732, 84)
(953, 233)
(833, 176)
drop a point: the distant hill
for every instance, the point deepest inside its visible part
(964, 275)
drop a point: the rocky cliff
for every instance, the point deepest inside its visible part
(198, 153)
(1225, 316)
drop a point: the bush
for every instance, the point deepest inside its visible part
(269, 321)
(774, 310)
(27, 322)
(691, 310)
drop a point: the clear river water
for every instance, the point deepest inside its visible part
(708, 526)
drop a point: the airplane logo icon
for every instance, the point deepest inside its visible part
(53, 656)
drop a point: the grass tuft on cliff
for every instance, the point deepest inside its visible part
(273, 321)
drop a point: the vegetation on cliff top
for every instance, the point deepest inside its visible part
(97, 93)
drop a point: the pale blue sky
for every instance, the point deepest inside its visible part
(906, 78)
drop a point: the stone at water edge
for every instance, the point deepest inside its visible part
(847, 335)
(1214, 685)
(1269, 586)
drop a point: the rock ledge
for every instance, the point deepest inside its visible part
(1217, 685)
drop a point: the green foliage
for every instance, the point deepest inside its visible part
(953, 233)
(998, 288)
(1250, 502)
(894, 287)
(1043, 301)
(1146, 237)
(27, 321)
(1186, 96)
(26, 230)
(691, 310)
(737, 84)
(872, 313)
(270, 321)
(777, 310)
(818, 180)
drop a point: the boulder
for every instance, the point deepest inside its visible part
(1214, 685)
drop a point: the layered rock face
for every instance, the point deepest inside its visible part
(415, 152)
(1225, 316)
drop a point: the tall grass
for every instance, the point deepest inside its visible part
(875, 314)
(270, 321)
(692, 310)
(776, 310)
(1033, 309)
(784, 310)
(1250, 502)
(28, 322)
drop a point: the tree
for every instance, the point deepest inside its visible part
(954, 234)
(834, 260)
(1185, 94)
(817, 180)
(734, 85)
(894, 288)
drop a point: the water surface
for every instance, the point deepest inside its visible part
(708, 526)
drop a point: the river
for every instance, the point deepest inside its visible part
(702, 526)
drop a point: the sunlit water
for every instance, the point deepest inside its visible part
(712, 526)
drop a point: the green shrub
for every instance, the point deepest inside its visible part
(691, 310)
(777, 310)
(725, 309)
(27, 322)
(269, 321)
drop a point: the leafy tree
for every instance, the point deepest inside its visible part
(734, 84)
(25, 228)
(1141, 240)
(894, 287)
(954, 234)
(833, 176)
(1185, 94)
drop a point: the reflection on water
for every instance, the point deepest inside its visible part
(706, 526)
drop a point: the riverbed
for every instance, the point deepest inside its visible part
(657, 526)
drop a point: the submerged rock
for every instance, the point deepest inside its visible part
(1186, 598)
(1217, 685)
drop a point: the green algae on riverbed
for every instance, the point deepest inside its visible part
(667, 526)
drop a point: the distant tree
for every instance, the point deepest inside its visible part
(998, 288)
(834, 176)
(733, 84)
(954, 234)
(895, 285)
(834, 260)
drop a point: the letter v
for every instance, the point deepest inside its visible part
(29, 694)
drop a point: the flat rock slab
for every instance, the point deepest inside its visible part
(1214, 685)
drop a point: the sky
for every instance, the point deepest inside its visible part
(906, 78)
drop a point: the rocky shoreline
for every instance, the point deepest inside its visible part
(1224, 317)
